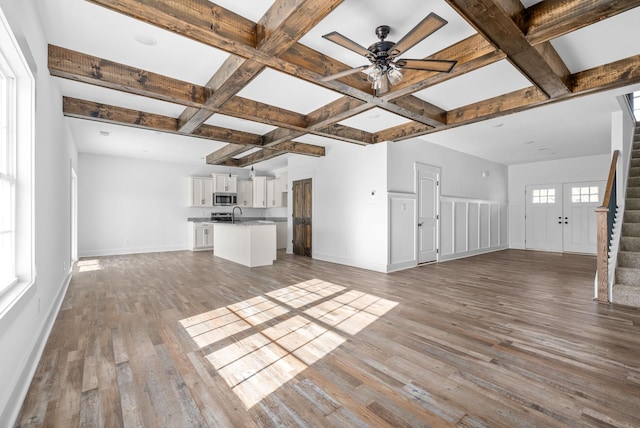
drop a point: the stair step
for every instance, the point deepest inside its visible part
(632, 204)
(631, 229)
(629, 259)
(631, 216)
(633, 192)
(635, 162)
(628, 276)
(635, 154)
(628, 295)
(630, 243)
(633, 182)
(634, 171)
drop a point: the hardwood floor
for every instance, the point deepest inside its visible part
(189, 340)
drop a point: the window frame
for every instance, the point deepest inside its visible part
(18, 62)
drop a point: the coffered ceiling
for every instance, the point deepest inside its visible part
(238, 83)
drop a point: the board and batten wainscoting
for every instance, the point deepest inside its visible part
(403, 247)
(472, 226)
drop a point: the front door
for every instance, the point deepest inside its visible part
(301, 214)
(544, 217)
(561, 217)
(580, 201)
(428, 181)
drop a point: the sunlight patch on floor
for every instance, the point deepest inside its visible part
(260, 363)
(89, 265)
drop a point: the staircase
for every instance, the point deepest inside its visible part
(626, 290)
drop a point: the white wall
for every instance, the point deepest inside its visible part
(24, 327)
(135, 206)
(473, 214)
(461, 173)
(589, 168)
(349, 223)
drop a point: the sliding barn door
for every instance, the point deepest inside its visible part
(302, 219)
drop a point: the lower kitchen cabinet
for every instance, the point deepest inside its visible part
(200, 236)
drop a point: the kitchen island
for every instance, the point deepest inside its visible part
(248, 243)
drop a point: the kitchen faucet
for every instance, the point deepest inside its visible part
(233, 213)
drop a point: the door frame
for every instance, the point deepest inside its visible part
(417, 167)
(297, 177)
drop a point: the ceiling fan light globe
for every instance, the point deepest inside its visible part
(395, 75)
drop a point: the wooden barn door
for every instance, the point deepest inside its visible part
(302, 217)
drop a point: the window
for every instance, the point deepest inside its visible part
(7, 178)
(17, 118)
(543, 196)
(581, 195)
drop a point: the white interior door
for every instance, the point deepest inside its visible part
(579, 218)
(544, 217)
(428, 212)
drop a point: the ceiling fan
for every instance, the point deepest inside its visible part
(384, 69)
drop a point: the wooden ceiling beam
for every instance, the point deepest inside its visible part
(101, 72)
(606, 77)
(238, 141)
(550, 19)
(283, 24)
(225, 153)
(345, 133)
(500, 22)
(196, 20)
(472, 53)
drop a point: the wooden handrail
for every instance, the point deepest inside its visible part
(603, 228)
(610, 181)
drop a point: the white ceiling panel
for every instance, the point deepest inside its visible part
(374, 120)
(239, 124)
(139, 143)
(81, 26)
(606, 41)
(250, 9)
(488, 82)
(287, 92)
(358, 19)
(578, 127)
(98, 94)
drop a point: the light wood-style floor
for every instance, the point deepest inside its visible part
(189, 340)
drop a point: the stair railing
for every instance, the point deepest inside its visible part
(605, 217)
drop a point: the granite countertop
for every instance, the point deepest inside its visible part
(238, 219)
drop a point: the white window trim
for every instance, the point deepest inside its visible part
(24, 115)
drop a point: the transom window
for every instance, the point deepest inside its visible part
(543, 196)
(581, 195)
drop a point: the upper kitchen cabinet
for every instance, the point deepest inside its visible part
(225, 183)
(282, 183)
(259, 192)
(200, 192)
(245, 193)
(273, 198)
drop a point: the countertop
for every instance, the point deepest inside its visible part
(246, 223)
(239, 219)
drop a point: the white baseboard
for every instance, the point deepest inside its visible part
(138, 250)
(378, 267)
(462, 255)
(401, 266)
(10, 412)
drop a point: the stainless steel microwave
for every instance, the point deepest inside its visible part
(225, 199)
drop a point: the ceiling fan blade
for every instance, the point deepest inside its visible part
(345, 42)
(343, 73)
(426, 64)
(427, 26)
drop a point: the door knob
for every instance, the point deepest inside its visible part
(420, 224)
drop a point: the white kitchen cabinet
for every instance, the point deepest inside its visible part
(245, 193)
(200, 236)
(200, 192)
(225, 183)
(273, 197)
(259, 192)
(283, 183)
